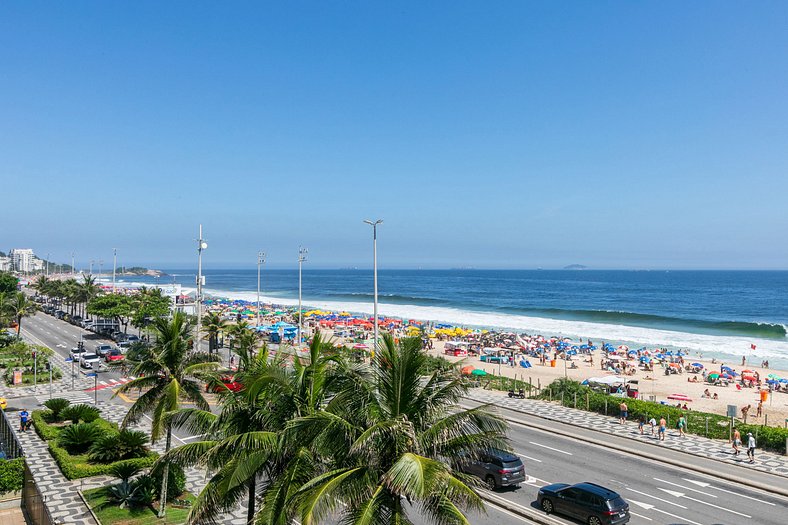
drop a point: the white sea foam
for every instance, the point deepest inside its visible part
(731, 346)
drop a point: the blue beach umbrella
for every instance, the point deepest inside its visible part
(697, 365)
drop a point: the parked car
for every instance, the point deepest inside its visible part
(114, 355)
(123, 346)
(132, 338)
(103, 349)
(589, 502)
(88, 360)
(497, 468)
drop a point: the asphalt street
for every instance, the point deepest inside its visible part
(657, 493)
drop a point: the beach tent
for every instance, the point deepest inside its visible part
(478, 372)
(606, 380)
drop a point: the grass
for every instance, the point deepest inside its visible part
(109, 514)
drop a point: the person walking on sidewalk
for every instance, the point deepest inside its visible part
(653, 423)
(736, 443)
(662, 427)
(623, 411)
(751, 447)
(682, 425)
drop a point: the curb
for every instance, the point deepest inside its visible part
(654, 457)
(529, 514)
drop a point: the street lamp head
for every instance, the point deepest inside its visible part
(203, 245)
(375, 223)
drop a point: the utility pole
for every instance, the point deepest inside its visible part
(301, 258)
(260, 262)
(72, 264)
(47, 266)
(201, 245)
(114, 266)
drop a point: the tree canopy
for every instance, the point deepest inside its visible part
(8, 282)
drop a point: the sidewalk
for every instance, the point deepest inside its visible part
(59, 386)
(691, 444)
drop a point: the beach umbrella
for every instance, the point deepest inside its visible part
(467, 370)
(478, 372)
(773, 376)
(697, 365)
(713, 376)
(645, 359)
(783, 381)
(623, 347)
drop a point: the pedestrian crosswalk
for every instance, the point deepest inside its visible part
(76, 398)
(110, 383)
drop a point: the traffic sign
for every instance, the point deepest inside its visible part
(92, 374)
(69, 360)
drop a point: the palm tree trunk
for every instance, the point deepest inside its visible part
(166, 476)
(250, 505)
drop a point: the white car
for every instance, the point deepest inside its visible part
(76, 353)
(88, 360)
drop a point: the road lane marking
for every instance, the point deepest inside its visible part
(656, 498)
(640, 516)
(686, 488)
(676, 494)
(709, 485)
(551, 448)
(529, 457)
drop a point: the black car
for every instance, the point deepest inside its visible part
(496, 467)
(589, 502)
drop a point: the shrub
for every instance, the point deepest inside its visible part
(125, 471)
(106, 449)
(72, 468)
(82, 412)
(133, 443)
(176, 481)
(78, 438)
(56, 406)
(145, 490)
(44, 429)
(12, 473)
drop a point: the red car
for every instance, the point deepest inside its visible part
(114, 355)
(226, 383)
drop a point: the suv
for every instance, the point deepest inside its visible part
(88, 360)
(496, 467)
(589, 502)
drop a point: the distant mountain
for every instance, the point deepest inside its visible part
(575, 267)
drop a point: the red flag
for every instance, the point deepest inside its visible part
(752, 346)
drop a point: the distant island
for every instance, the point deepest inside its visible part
(139, 270)
(575, 267)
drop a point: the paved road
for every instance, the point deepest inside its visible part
(657, 493)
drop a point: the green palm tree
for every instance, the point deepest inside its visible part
(86, 290)
(213, 326)
(169, 373)
(392, 436)
(19, 306)
(247, 448)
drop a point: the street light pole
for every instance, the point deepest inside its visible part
(90, 273)
(201, 245)
(114, 266)
(375, 278)
(260, 262)
(72, 264)
(47, 268)
(101, 263)
(301, 258)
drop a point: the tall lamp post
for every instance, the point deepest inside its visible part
(73, 269)
(301, 258)
(90, 273)
(114, 266)
(374, 225)
(47, 268)
(201, 245)
(101, 263)
(260, 262)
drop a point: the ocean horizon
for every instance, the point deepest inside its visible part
(713, 312)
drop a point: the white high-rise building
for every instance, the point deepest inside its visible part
(22, 259)
(5, 264)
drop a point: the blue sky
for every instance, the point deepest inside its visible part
(494, 135)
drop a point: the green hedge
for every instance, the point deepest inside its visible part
(48, 432)
(12, 474)
(713, 426)
(74, 468)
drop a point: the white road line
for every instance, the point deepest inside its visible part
(686, 488)
(529, 457)
(709, 485)
(551, 448)
(656, 498)
(640, 516)
(676, 494)
(103, 383)
(677, 517)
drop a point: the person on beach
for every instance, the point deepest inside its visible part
(623, 411)
(751, 447)
(736, 443)
(653, 424)
(759, 409)
(663, 425)
(682, 425)
(744, 412)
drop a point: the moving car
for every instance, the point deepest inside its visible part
(497, 468)
(88, 360)
(76, 353)
(588, 502)
(226, 382)
(114, 355)
(103, 349)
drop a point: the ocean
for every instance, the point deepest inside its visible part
(716, 313)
